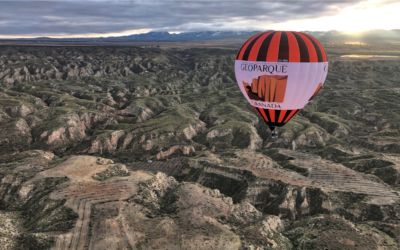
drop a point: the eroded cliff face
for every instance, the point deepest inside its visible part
(210, 219)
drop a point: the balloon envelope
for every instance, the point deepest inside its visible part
(279, 72)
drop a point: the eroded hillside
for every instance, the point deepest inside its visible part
(331, 180)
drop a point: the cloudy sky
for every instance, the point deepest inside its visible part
(89, 18)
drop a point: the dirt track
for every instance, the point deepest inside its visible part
(81, 192)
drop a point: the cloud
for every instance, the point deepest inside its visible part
(82, 18)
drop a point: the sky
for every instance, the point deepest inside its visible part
(90, 18)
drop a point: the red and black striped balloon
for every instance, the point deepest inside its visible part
(306, 61)
(276, 117)
(282, 46)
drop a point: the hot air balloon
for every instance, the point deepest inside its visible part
(279, 72)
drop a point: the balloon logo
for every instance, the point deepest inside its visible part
(267, 88)
(279, 72)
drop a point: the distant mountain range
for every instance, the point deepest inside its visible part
(154, 35)
(185, 35)
(365, 36)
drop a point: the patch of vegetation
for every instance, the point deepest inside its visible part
(351, 200)
(43, 214)
(58, 161)
(34, 242)
(169, 202)
(284, 161)
(115, 170)
(369, 228)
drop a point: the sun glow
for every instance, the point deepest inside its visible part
(367, 15)
(88, 35)
(125, 33)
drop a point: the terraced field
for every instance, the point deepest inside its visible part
(81, 192)
(171, 167)
(323, 174)
(336, 177)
